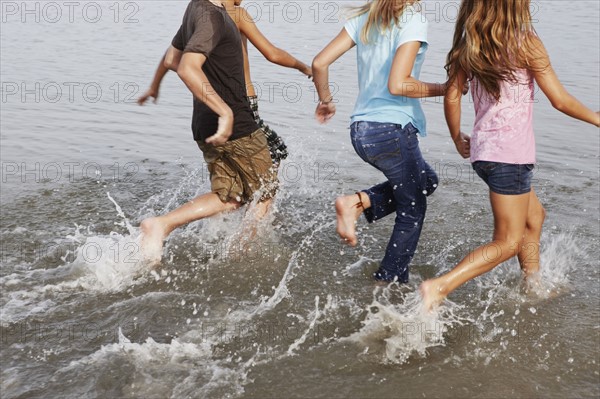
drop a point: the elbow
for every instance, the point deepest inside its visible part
(170, 63)
(275, 56)
(394, 88)
(402, 88)
(319, 64)
(563, 101)
(559, 104)
(183, 73)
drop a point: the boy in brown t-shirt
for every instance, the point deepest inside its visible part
(206, 52)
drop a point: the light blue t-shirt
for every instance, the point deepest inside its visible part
(374, 102)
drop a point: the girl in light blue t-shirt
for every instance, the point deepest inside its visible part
(391, 41)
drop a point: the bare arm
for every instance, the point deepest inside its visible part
(320, 67)
(174, 56)
(452, 111)
(559, 97)
(190, 72)
(266, 48)
(401, 83)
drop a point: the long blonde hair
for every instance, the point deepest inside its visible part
(382, 15)
(492, 39)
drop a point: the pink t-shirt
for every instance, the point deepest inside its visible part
(503, 130)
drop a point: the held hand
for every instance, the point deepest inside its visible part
(463, 145)
(224, 131)
(324, 112)
(466, 88)
(308, 72)
(150, 93)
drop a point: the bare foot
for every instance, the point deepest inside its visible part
(347, 214)
(153, 234)
(431, 294)
(533, 282)
(252, 221)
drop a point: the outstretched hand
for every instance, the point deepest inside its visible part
(463, 145)
(324, 112)
(149, 93)
(224, 131)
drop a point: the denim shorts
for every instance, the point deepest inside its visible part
(505, 178)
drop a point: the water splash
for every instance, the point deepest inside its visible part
(130, 228)
(397, 331)
(296, 344)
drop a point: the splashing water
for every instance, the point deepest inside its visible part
(110, 262)
(398, 331)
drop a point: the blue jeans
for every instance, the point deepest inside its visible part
(394, 150)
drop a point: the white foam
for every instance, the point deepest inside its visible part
(185, 367)
(296, 344)
(357, 267)
(396, 331)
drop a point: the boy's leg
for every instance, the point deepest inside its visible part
(510, 215)
(529, 255)
(155, 230)
(260, 209)
(227, 190)
(251, 161)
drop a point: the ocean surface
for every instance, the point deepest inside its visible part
(295, 314)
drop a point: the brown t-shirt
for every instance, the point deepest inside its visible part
(208, 29)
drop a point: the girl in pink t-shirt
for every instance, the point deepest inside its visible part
(496, 48)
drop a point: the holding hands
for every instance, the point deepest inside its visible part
(463, 145)
(306, 70)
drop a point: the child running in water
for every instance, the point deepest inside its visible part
(495, 47)
(391, 41)
(207, 54)
(248, 31)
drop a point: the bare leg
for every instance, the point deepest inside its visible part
(260, 209)
(256, 212)
(155, 230)
(529, 255)
(348, 211)
(510, 215)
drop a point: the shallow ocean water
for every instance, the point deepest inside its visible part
(296, 314)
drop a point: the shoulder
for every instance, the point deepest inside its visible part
(535, 42)
(242, 18)
(243, 14)
(206, 14)
(535, 52)
(411, 26)
(354, 24)
(412, 18)
(357, 19)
